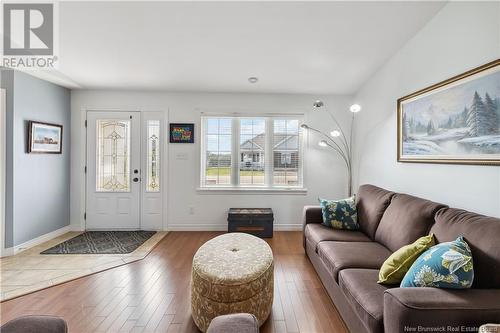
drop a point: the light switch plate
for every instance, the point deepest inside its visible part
(181, 156)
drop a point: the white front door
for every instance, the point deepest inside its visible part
(113, 170)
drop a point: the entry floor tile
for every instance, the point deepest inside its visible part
(29, 271)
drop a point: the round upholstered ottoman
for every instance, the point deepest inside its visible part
(232, 273)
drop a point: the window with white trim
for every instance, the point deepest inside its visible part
(251, 152)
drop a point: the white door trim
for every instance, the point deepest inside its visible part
(82, 178)
(3, 165)
(110, 209)
(152, 203)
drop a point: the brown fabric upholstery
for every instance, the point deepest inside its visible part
(35, 324)
(316, 233)
(349, 269)
(342, 255)
(312, 214)
(365, 295)
(405, 220)
(434, 307)
(239, 322)
(482, 233)
(372, 201)
(343, 307)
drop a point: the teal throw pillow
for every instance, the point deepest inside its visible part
(446, 265)
(340, 214)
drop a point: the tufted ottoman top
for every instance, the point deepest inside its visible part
(233, 259)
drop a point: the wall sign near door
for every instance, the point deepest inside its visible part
(181, 133)
(44, 138)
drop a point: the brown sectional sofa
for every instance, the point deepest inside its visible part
(348, 262)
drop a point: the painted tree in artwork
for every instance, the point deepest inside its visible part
(431, 128)
(491, 115)
(462, 118)
(476, 119)
(406, 127)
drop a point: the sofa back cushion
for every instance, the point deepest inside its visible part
(405, 220)
(372, 201)
(482, 233)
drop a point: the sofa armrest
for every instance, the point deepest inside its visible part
(311, 214)
(408, 309)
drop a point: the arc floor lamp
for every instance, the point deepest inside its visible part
(337, 140)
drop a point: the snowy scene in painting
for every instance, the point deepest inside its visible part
(462, 121)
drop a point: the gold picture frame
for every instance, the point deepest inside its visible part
(456, 121)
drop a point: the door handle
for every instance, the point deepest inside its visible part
(136, 179)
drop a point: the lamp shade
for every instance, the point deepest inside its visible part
(335, 133)
(355, 108)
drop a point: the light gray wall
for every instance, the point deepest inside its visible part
(462, 36)
(7, 81)
(189, 209)
(40, 182)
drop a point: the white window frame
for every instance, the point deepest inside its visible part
(268, 185)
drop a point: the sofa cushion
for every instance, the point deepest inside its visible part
(316, 233)
(340, 214)
(341, 255)
(446, 265)
(405, 220)
(482, 233)
(395, 267)
(372, 201)
(365, 296)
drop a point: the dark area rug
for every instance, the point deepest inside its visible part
(102, 242)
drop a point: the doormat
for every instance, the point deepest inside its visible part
(102, 242)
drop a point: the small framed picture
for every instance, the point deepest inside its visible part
(181, 133)
(44, 138)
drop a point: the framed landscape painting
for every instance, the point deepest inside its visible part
(454, 121)
(44, 138)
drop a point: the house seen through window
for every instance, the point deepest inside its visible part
(253, 152)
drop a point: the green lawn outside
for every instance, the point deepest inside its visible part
(227, 172)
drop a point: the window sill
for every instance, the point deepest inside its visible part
(252, 190)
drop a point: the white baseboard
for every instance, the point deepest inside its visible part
(288, 227)
(196, 227)
(36, 241)
(6, 252)
(223, 227)
(76, 227)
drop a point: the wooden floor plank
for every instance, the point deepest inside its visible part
(152, 295)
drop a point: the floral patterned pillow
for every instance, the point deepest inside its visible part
(340, 214)
(446, 265)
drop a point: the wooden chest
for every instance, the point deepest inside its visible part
(255, 221)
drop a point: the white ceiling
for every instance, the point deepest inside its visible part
(292, 47)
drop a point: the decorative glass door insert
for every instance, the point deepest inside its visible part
(113, 170)
(113, 156)
(153, 156)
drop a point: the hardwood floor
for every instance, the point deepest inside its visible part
(152, 295)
